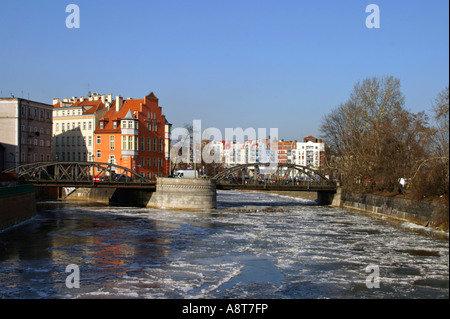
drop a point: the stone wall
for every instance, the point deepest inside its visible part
(419, 212)
(184, 193)
(17, 204)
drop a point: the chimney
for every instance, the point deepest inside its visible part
(109, 98)
(81, 98)
(55, 101)
(103, 98)
(119, 102)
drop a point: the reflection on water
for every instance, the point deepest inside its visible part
(253, 246)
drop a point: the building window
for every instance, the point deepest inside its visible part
(90, 141)
(99, 139)
(161, 145)
(142, 144)
(84, 126)
(149, 149)
(111, 142)
(99, 154)
(155, 141)
(89, 125)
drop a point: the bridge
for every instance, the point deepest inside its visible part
(80, 174)
(264, 176)
(254, 176)
(128, 187)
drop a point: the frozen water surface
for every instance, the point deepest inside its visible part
(254, 245)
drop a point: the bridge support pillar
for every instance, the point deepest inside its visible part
(332, 198)
(184, 193)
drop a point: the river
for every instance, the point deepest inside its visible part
(253, 245)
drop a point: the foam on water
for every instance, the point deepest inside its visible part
(253, 246)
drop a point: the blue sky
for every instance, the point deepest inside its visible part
(247, 63)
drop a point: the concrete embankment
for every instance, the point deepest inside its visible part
(17, 204)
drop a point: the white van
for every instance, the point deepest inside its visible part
(186, 174)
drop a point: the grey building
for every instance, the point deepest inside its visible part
(25, 132)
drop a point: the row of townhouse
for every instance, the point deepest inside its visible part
(310, 152)
(132, 133)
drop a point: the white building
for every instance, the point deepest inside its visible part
(74, 123)
(309, 153)
(234, 153)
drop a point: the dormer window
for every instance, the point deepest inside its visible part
(102, 125)
(114, 124)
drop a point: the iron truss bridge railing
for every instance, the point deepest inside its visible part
(78, 173)
(270, 176)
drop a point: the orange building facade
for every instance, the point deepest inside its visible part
(133, 133)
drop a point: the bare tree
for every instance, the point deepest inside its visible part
(355, 129)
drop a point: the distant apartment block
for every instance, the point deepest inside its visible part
(311, 152)
(134, 133)
(74, 123)
(26, 132)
